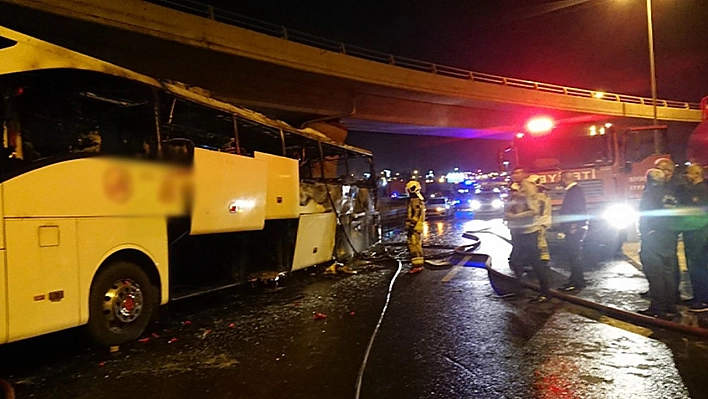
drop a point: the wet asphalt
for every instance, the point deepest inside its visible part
(444, 335)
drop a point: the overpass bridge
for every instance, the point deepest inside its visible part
(302, 79)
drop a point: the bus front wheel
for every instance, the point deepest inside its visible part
(121, 302)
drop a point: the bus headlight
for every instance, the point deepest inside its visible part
(475, 205)
(497, 204)
(620, 216)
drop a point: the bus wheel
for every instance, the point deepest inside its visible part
(121, 303)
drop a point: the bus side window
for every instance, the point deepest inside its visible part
(204, 127)
(261, 138)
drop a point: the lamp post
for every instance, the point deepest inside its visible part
(658, 145)
(652, 66)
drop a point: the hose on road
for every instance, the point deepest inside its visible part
(360, 376)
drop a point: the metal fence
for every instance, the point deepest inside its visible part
(241, 21)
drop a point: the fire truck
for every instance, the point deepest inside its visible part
(608, 161)
(698, 142)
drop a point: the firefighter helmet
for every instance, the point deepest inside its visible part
(413, 187)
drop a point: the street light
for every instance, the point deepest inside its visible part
(658, 145)
(652, 67)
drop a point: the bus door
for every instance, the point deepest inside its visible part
(41, 260)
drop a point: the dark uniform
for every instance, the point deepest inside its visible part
(695, 238)
(573, 213)
(658, 247)
(675, 188)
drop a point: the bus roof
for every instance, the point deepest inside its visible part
(22, 53)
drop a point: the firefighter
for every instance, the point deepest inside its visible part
(695, 235)
(673, 186)
(544, 201)
(658, 247)
(522, 217)
(415, 217)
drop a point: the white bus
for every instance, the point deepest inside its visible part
(120, 192)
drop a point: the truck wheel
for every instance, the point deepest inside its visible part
(120, 303)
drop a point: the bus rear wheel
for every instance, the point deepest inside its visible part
(121, 303)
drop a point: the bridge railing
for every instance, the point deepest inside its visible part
(242, 21)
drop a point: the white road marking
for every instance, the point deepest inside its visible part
(455, 269)
(451, 274)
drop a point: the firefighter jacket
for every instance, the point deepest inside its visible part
(523, 211)
(545, 209)
(415, 214)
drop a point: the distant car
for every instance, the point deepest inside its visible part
(439, 207)
(487, 202)
(463, 203)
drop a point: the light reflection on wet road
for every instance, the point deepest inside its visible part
(450, 339)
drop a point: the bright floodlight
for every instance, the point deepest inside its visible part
(540, 125)
(620, 216)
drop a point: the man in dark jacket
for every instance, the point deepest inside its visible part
(573, 219)
(658, 245)
(674, 185)
(695, 235)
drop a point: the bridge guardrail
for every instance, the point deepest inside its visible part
(242, 21)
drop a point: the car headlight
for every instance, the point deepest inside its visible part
(497, 204)
(474, 204)
(440, 208)
(620, 216)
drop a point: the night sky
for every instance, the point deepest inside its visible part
(592, 44)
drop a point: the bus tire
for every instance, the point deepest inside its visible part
(121, 303)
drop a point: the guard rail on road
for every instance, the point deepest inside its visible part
(241, 21)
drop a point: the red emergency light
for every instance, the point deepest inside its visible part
(540, 126)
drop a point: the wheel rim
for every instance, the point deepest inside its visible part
(122, 303)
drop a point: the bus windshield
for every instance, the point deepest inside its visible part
(566, 147)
